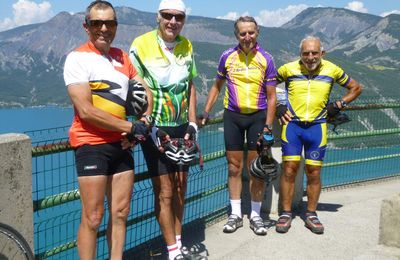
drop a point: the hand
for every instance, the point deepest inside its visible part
(265, 141)
(139, 132)
(125, 143)
(332, 109)
(159, 137)
(191, 131)
(283, 114)
(204, 118)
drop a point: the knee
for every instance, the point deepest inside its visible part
(289, 174)
(121, 212)
(181, 188)
(93, 219)
(313, 179)
(165, 196)
(234, 169)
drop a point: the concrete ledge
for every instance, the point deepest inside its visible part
(16, 207)
(389, 226)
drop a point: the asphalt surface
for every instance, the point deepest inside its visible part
(351, 218)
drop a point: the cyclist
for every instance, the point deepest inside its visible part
(251, 80)
(165, 60)
(97, 77)
(308, 85)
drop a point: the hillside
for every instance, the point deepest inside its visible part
(366, 46)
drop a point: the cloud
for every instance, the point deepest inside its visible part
(232, 15)
(27, 12)
(390, 12)
(280, 16)
(270, 18)
(357, 6)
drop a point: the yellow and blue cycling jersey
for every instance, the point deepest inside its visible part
(308, 95)
(247, 78)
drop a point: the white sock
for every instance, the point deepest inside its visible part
(255, 209)
(178, 241)
(173, 251)
(236, 206)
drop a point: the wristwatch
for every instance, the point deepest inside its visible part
(269, 127)
(148, 118)
(343, 103)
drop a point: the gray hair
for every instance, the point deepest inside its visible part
(310, 37)
(245, 19)
(99, 4)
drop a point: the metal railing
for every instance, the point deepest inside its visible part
(355, 154)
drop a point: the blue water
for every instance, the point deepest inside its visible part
(20, 120)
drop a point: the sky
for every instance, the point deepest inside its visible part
(14, 13)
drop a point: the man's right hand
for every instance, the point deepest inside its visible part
(139, 131)
(283, 114)
(204, 118)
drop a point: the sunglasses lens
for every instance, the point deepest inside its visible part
(168, 16)
(99, 23)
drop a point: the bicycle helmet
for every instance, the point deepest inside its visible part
(136, 99)
(264, 168)
(181, 151)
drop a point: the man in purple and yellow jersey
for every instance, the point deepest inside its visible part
(250, 99)
(308, 82)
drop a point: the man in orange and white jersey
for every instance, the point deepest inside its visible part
(97, 77)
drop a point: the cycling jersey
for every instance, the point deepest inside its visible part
(167, 74)
(307, 95)
(108, 78)
(247, 78)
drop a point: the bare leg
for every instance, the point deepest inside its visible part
(92, 190)
(287, 184)
(179, 200)
(119, 194)
(313, 186)
(163, 187)
(256, 185)
(235, 166)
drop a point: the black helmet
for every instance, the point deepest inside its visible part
(264, 168)
(136, 99)
(181, 151)
(338, 119)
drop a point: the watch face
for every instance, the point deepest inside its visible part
(149, 119)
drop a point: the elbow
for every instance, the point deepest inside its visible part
(85, 113)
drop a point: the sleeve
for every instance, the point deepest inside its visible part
(270, 73)
(75, 70)
(341, 77)
(221, 70)
(135, 59)
(192, 69)
(281, 76)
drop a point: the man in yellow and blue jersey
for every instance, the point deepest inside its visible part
(308, 84)
(250, 74)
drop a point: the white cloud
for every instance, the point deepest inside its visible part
(357, 6)
(232, 15)
(279, 17)
(27, 12)
(390, 12)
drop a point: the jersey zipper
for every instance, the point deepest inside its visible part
(308, 98)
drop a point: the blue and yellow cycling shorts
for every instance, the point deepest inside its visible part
(311, 136)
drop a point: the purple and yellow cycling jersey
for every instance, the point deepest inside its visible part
(247, 78)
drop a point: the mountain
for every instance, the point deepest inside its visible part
(366, 46)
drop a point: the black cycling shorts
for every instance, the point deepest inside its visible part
(103, 159)
(157, 163)
(238, 127)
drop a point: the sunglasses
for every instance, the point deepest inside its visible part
(99, 23)
(168, 16)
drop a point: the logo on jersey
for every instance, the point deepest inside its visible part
(314, 155)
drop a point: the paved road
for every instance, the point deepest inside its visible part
(351, 218)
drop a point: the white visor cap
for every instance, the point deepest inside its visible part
(173, 5)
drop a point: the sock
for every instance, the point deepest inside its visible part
(236, 206)
(173, 251)
(178, 241)
(255, 209)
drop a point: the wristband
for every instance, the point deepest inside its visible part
(269, 127)
(194, 125)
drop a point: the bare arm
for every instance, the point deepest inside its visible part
(192, 102)
(354, 90)
(271, 101)
(212, 96)
(81, 98)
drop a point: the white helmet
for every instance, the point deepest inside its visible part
(136, 99)
(181, 151)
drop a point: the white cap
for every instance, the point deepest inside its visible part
(172, 4)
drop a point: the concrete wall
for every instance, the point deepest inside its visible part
(389, 226)
(16, 208)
